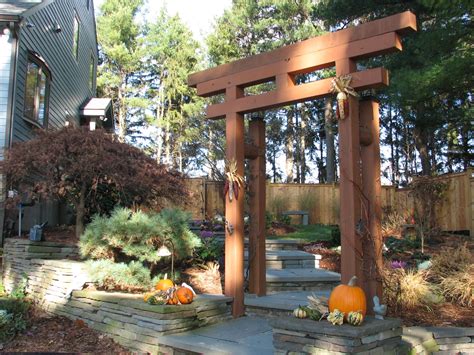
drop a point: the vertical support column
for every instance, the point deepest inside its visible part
(350, 184)
(372, 207)
(234, 211)
(257, 186)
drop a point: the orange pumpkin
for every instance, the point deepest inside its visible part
(164, 284)
(348, 298)
(185, 295)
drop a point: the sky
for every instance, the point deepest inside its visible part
(198, 15)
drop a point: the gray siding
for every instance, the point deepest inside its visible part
(70, 77)
(5, 86)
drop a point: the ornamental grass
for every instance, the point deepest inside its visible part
(450, 262)
(409, 289)
(459, 287)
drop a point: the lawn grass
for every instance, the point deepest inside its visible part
(309, 233)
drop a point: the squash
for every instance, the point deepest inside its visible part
(355, 318)
(158, 298)
(348, 298)
(172, 296)
(300, 313)
(164, 284)
(185, 295)
(336, 317)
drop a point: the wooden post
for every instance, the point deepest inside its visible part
(257, 186)
(371, 207)
(234, 210)
(350, 184)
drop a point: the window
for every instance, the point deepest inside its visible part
(88, 4)
(75, 45)
(91, 74)
(38, 79)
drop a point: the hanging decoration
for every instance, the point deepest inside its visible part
(233, 181)
(340, 86)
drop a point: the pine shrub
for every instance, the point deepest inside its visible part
(119, 276)
(136, 236)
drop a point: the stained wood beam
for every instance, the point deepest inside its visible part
(401, 23)
(371, 78)
(252, 151)
(383, 44)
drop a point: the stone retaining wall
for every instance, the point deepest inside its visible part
(42, 263)
(138, 325)
(438, 341)
(303, 336)
(57, 287)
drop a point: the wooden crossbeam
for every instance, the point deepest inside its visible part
(371, 78)
(399, 23)
(383, 44)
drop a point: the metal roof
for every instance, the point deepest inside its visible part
(17, 8)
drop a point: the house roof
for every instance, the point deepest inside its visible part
(17, 8)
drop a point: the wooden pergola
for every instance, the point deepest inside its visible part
(359, 146)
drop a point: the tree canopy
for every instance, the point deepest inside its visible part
(92, 171)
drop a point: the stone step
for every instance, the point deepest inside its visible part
(241, 336)
(280, 303)
(301, 280)
(289, 259)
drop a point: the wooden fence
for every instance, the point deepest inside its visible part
(455, 213)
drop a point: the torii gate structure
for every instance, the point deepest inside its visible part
(359, 149)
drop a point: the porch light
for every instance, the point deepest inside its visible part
(164, 251)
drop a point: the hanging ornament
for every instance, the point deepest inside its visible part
(233, 181)
(340, 85)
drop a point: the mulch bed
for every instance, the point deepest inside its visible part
(446, 314)
(52, 334)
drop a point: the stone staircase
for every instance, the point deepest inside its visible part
(290, 269)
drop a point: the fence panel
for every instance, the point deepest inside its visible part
(322, 200)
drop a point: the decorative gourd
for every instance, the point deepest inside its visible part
(300, 313)
(185, 295)
(348, 298)
(355, 318)
(164, 284)
(147, 295)
(158, 298)
(336, 317)
(172, 296)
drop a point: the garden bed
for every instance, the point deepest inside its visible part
(55, 334)
(137, 325)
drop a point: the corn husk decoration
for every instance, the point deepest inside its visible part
(233, 181)
(340, 86)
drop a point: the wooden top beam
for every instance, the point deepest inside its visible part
(362, 80)
(400, 23)
(383, 44)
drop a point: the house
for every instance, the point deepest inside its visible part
(48, 62)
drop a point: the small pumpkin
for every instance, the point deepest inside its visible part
(348, 298)
(355, 318)
(164, 284)
(185, 295)
(300, 313)
(336, 317)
